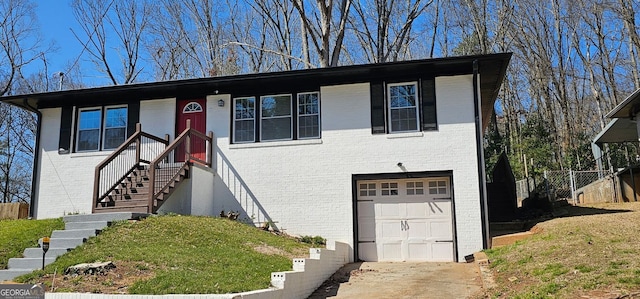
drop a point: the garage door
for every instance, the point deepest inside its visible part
(405, 220)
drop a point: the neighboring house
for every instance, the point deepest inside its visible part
(386, 157)
(624, 127)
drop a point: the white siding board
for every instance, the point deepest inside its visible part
(158, 117)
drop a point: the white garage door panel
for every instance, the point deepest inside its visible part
(418, 251)
(413, 222)
(388, 210)
(390, 230)
(417, 209)
(442, 251)
(368, 251)
(441, 230)
(440, 209)
(391, 251)
(366, 221)
(417, 229)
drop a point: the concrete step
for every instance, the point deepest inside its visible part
(37, 252)
(74, 233)
(86, 225)
(29, 263)
(65, 242)
(6, 275)
(114, 216)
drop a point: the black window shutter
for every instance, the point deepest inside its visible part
(133, 117)
(429, 118)
(377, 108)
(65, 128)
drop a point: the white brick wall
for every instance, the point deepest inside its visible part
(66, 180)
(304, 186)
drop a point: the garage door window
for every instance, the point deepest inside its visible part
(438, 187)
(415, 188)
(389, 189)
(367, 189)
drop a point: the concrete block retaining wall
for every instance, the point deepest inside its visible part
(307, 275)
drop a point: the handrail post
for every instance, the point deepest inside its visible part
(210, 149)
(187, 147)
(152, 183)
(96, 189)
(138, 142)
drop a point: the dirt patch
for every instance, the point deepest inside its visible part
(114, 281)
(270, 250)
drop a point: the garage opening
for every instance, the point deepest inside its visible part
(405, 219)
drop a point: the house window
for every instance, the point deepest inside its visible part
(403, 107)
(275, 117)
(115, 127)
(101, 128)
(438, 187)
(388, 189)
(409, 106)
(415, 188)
(308, 115)
(368, 189)
(192, 108)
(89, 129)
(244, 120)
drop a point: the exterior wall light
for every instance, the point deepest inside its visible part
(220, 103)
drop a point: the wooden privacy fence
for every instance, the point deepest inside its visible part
(14, 210)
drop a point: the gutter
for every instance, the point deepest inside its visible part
(36, 156)
(480, 156)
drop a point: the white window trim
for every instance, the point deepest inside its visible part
(235, 119)
(290, 116)
(77, 129)
(417, 105)
(184, 109)
(104, 125)
(300, 115)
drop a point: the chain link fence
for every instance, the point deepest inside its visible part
(558, 184)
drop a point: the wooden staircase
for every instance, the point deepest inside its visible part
(132, 193)
(141, 174)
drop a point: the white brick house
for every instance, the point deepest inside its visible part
(385, 157)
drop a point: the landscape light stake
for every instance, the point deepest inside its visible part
(45, 248)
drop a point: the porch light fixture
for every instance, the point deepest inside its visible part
(220, 103)
(45, 248)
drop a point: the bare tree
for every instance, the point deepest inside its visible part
(384, 29)
(189, 40)
(113, 33)
(323, 30)
(20, 42)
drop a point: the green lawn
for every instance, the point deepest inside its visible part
(16, 235)
(178, 254)
(591, 252)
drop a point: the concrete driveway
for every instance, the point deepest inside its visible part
(402, 280)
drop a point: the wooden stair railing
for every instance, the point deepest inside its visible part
(173, 164)
(137, 150)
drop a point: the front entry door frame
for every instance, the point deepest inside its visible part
(195, 111)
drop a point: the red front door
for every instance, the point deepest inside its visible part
(195, 111)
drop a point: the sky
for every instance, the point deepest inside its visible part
(56, 21)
